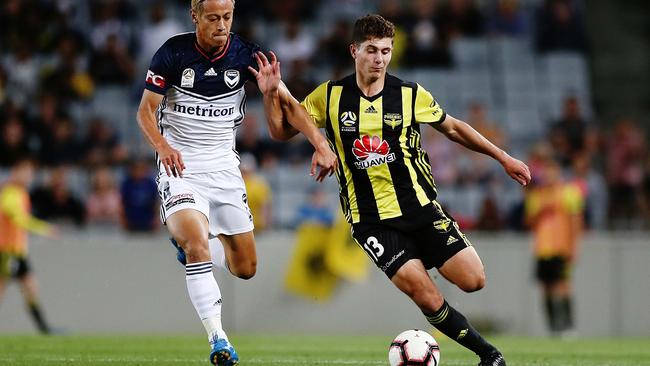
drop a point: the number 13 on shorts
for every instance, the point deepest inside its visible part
(374, 248)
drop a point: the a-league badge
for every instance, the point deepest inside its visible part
(187, 80)
(231, 78)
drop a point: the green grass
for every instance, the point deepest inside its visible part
(304, 350)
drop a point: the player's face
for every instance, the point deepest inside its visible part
(371, 57)
(214, 22)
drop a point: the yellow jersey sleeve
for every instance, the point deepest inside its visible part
(13, 204)
(316, 104)
(427, 109)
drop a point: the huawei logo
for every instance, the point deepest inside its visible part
(371, 151)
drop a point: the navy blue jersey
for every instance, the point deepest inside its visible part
(204, 98)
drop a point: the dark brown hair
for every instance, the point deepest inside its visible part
(372, 26)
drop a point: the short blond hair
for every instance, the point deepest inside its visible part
(197, 5)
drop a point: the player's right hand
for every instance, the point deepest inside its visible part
(326, 160)
(268, 77)
(172, 161)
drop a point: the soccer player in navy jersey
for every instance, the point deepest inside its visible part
(193, 102)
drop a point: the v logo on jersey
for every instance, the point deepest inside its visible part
(211, 72)
(231, 78)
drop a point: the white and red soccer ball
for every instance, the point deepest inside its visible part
(414, 348)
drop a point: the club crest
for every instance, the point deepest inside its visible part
(187, 80)
(231, 78)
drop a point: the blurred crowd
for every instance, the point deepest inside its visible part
(56, 54)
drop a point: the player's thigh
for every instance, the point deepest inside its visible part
(465, 270)
(229, 211)
(414, 281)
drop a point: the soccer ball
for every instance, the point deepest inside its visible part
(414, 347)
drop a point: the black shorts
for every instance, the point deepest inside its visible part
(14, 266)
(553, 269)
(390, 246)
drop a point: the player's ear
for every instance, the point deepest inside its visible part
(195, 20)
(353, 50)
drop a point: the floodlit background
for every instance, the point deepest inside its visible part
(560, 80)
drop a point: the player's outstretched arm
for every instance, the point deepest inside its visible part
(462, 133)
(286, 117)
(269, 80)
(170, 157)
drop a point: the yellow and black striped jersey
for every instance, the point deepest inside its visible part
(384, 173)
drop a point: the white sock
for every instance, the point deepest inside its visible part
(218, 254)
(205, 296)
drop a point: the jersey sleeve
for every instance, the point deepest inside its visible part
(158, 78)
(427, 109)
(315, 104)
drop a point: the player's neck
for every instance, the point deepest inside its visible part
(370, 86)
(207, 47)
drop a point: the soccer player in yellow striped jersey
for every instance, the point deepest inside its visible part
(372, 121)
(15, 221)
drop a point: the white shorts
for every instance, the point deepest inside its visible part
(220, 196)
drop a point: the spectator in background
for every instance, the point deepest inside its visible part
(554, 211)
(507, 19)
(258, 193)
(43, 122)
(111, 18)
(626, 150)
(428, 45)
(13, 143)
(104, 203)
(333, 48)
(102, 146)
(295, 44)
(111, 64)
(55, 201)
(560, 28)
(315, 210)
(571, 136)
(62, 147)
(158, 30)
(24, 75)
(66, 74)
(480, 168)
(461, 18)
(140, 202)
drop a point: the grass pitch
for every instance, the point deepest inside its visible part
(304, 350)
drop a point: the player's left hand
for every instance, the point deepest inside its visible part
(517, 170)
(327, 161)
(269, 76)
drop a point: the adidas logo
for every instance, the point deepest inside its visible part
(451, 240)
(370, 109)
(210, 72)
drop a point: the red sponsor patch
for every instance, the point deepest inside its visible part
(154, 79)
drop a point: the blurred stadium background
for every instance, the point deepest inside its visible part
(565, 79)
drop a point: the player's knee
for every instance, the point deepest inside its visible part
(245, 271)
(196, 250)
(473, 283)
